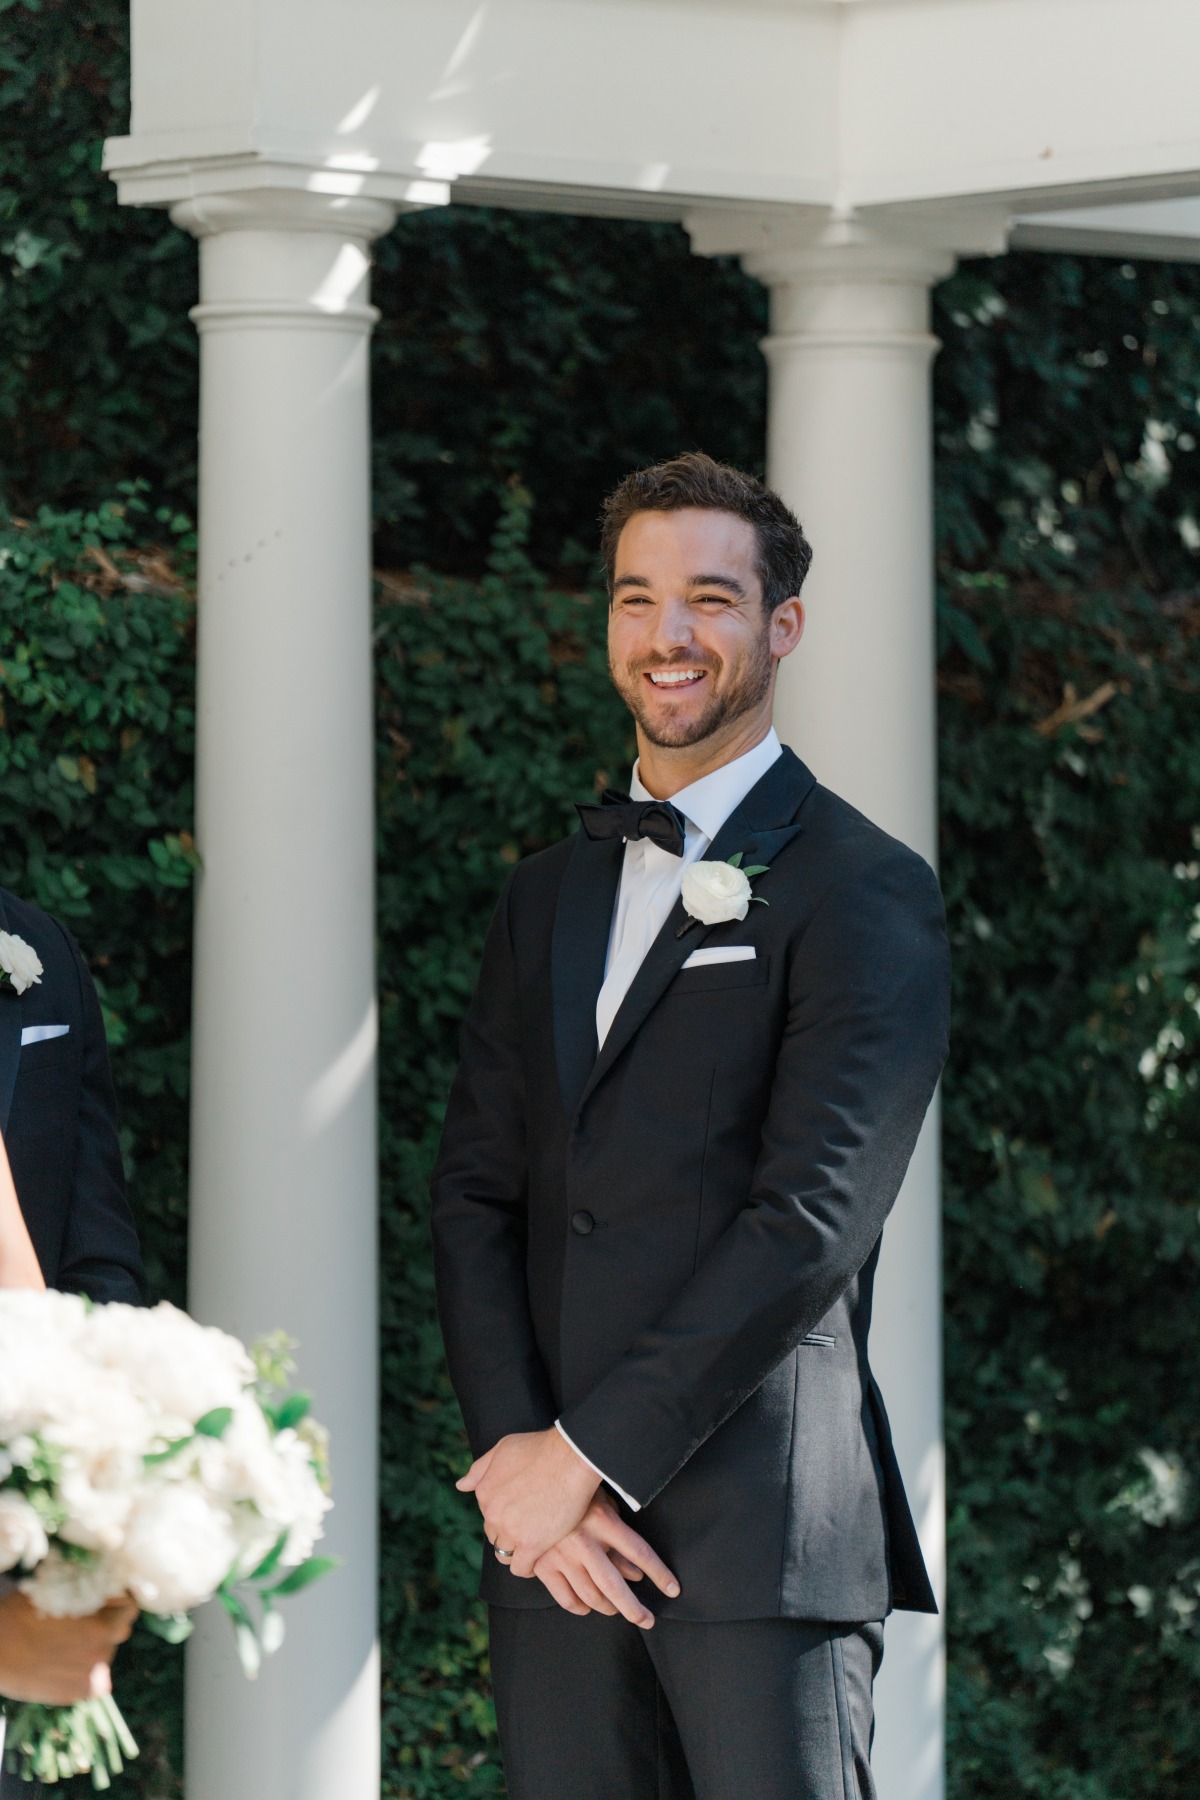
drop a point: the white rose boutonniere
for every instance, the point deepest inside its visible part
(20, 964)
(716, 892)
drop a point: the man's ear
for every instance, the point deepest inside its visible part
(787, 626)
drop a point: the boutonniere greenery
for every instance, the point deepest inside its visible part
(20, 964)
(716, 892)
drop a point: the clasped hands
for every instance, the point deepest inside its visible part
(540, 1501)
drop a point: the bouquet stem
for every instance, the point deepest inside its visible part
(53, 1743)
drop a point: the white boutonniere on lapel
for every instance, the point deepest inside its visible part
(716, 892)
(20, 964)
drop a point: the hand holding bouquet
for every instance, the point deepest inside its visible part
(142, 1454)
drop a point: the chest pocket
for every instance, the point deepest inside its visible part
(710, 978)
(56, 1052)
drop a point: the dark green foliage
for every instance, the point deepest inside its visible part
(1072, 1151)
(1067, 394)
(1072, 1140)
(563, 351)
(98, 366)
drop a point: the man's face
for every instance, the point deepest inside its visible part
(689, 642)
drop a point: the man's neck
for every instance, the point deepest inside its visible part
(664, 770)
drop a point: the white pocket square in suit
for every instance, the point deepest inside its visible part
(38, 1034)
(720, 953)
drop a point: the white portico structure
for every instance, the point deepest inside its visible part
(849, 151)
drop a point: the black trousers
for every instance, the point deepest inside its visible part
(761, 1709)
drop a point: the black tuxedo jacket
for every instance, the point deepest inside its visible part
(58, 1115)
(671, 1245)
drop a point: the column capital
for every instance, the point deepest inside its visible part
(283, 242)
(848, 277)
(872, 295)
(873, 260)
(357, 217)
(194, 169)
(918, 242)
(282, 257)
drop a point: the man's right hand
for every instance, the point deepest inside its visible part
(590, 1569)
(58, 1661)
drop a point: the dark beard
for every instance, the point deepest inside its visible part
(746, 691)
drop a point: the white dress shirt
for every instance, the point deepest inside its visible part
(651, 879)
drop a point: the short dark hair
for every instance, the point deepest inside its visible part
(695, 480)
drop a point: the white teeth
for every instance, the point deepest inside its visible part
(675, 678)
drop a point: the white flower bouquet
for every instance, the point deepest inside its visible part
(143, 1454)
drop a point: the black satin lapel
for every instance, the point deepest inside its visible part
(10, 1040)
(756, 846)
(778, 797)
(579, 948)
(765, 823)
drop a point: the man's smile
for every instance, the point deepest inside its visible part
(663, 678)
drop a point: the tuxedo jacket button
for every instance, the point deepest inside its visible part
(582, 1222)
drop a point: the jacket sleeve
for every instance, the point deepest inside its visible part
(863, 1045)
(480, 1192)
(100, 1255)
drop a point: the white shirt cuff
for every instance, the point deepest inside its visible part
(634, 1505)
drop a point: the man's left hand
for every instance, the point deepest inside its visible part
(532, 1490)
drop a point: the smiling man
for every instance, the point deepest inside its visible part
(706, 1032)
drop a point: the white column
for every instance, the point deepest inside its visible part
(283, 1172)
(850, 448)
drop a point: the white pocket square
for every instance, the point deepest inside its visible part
(720, 953)
(38, 1034)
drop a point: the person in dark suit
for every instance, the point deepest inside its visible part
(64, 1223)
(706, 1032)
(58, 1113)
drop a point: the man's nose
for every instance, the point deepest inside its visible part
(672, 627)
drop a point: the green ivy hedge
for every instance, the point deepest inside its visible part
(1071, 819)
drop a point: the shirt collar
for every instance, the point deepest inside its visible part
(707, 803)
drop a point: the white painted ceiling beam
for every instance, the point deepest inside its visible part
(1168, 230)
(913, 113)
(1055, 102)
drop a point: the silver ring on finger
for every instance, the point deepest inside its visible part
(504, 1556)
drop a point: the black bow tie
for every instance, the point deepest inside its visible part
(617, 816)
